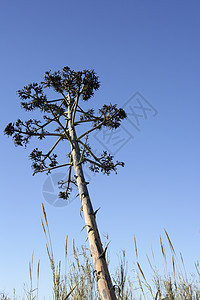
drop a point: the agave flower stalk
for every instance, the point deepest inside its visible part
(61, 117)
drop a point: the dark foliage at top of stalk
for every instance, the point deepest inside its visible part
(71, 87)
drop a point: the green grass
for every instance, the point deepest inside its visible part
(78, 282)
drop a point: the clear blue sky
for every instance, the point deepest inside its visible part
(147, 46)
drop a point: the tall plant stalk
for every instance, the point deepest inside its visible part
(66, 113)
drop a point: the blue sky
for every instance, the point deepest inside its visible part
(150, 47)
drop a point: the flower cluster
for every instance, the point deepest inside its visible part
(39, 161)
(82, 82)
(110, 116)
(105, 164)
(22, 132)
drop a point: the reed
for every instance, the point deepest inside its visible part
(78, 281)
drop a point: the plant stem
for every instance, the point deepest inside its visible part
(104, 282)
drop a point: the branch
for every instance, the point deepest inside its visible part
(106, 167)
(75, 104)
(92, 129)
(47, 155)
(42, 126)
(38, 134)
(74, 109)
(94, 162)
(49, 169)
(65, 99)
(81, 110)
(83, 121)
(86, 147)
(64, 128)
(54, 146)
(56, 100)
(69, 174)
